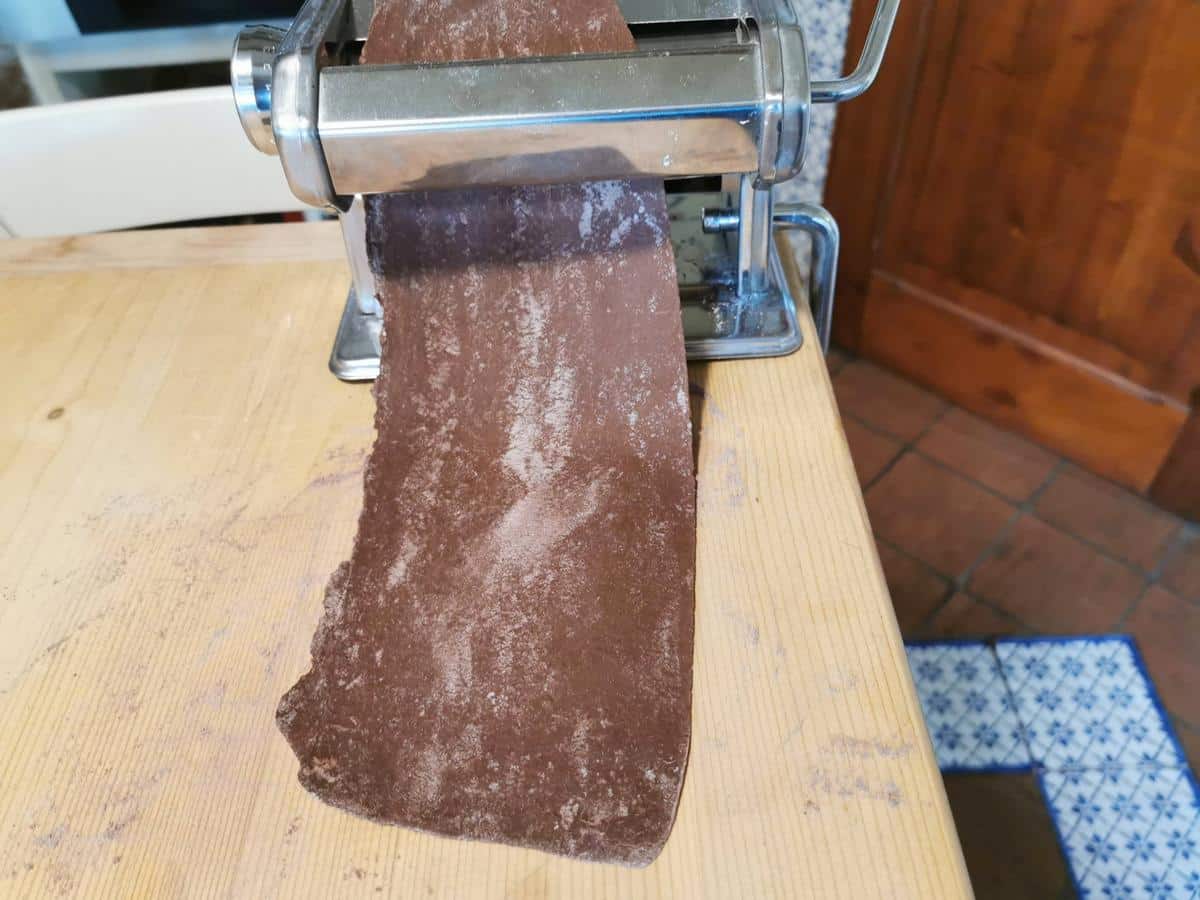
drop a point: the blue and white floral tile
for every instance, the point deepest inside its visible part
(967, 708)
(1125, 804)
(1086, 703)
(1128, 832)
(826, 24)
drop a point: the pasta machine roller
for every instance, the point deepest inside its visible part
(716, 100)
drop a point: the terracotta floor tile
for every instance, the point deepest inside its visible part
(935, 515)
(915, 588)
(1181, 572)
(835, 359)
(1001, 460)
(884, 400)
(1007, 836)
(965, 617)
(1167, 629)
(1054, 582)
(870, 450)
(1111, 517)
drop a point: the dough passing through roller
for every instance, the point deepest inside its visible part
(507, 654)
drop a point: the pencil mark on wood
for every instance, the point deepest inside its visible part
(869, 748)
(847, 786)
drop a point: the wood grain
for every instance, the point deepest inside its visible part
(1177, 485)
(862, 164)
(179, 474)
(1038, 164)
(173, 247)
(1104, 421)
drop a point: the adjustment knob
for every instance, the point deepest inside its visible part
(250, 72)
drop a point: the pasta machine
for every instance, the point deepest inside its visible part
(716, 99)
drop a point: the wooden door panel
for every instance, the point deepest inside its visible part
(1024, 181)
(1006, 317)
(1107, 423)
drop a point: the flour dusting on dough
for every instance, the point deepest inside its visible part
(508, 650)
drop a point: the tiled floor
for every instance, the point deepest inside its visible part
(1078, 720)
(984, 534)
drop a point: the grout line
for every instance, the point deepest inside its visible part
(905, 446)
(945, 411)
(937, 610)
(905, 443)
(1183, 536)
(1012, 705)
(1029, 505)
(970, 713)
(937, 463)
(1004, 532)
(1149, 576)
(960, 583)
(1098, 549)
(945, 579)
(948, 587)
(1060, 463)
(1181, 539)
(1123, 619)
(891, 464)
(1155, 578)
(1001, 611)
(1169, 722)
(1062, 820)
(874, 429)
(1019, 690)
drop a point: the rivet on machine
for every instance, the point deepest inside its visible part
(716, 100)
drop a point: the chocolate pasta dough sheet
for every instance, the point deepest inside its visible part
(507, 654)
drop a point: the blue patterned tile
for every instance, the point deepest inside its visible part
(1126, 807)
(825, 23)
(967, 709)
(1085, 703)
(1128, 832)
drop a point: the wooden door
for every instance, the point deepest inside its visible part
(1019, 197)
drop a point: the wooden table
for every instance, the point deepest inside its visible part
(179, 475)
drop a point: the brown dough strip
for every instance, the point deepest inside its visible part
(507, 655)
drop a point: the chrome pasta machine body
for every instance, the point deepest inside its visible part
(716, 99)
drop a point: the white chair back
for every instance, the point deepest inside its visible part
(123, 162)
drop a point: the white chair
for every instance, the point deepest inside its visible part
(122, 162)
(125, 161)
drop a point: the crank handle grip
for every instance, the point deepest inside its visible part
(854, 84)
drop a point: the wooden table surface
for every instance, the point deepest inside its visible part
(180, 474)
